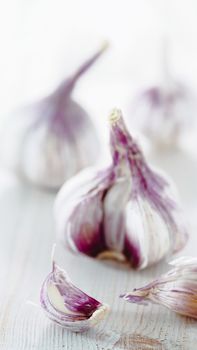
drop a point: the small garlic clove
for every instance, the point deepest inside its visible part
(176, 290)
(67, 305)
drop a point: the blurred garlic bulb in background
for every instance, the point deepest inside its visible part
(125, 212)
(165, 111)
(67, 305)
(176, 290)
(52, 139)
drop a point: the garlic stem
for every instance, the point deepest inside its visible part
(88, 63)
(66, 87)
(115, 115)
(165, 61)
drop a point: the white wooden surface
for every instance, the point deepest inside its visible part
(26, 237)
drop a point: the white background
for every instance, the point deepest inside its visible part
(41, 41)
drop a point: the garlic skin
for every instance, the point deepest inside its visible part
(67, 305)
(52, 139)
(125, 212)
(176, 290)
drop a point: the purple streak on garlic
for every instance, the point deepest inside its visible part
(67, 305)
(176, 290)
(126, 212)
(52, 139)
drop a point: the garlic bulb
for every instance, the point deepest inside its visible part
(165, 111)
(67, 305)
(125, 212)
(177, 289)
(52, 139)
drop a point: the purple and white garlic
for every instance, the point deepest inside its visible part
(165, 111)
(67, 305)
(176, 290)
(52, 139)
(125, 212)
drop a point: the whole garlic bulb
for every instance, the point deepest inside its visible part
(176, 290)
(126, 212)
(163, 112)
(52, 139)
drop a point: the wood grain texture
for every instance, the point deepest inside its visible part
(27, 234)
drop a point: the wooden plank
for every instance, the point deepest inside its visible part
(27, 234)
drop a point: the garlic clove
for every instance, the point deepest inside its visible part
(114, 220)
(158, 215)
(85, 232)
(79, 213)
(176, 290)
(67, 305)
(147, 231)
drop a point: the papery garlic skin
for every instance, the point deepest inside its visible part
(52, 139)
(126, 211)
(67, 305)
(176, 290)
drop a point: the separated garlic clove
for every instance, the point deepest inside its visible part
(125, 212)
(50, 140)
(176, 290)
(67, 305)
